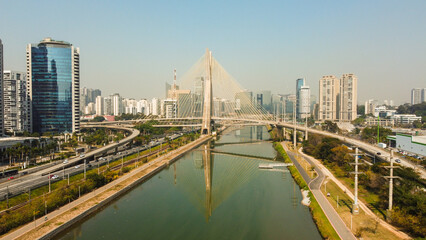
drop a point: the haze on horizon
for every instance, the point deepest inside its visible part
(131, 48)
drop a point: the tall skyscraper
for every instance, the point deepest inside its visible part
(424, 95)
(338, 98)
(99, 105)
(108, 105)
(348, 97)
(1, 91)
(416, 96)
(299, 84)
(15, 101)
(155, 106)
(117, 104)
(53, 86)
(329, 88)
(304, 102)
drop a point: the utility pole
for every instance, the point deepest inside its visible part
(355, 208)
(390, 177)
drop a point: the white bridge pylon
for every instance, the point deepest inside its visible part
(208, 92)
(208, 97)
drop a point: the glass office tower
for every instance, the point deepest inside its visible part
(53, 86)
(299, 84)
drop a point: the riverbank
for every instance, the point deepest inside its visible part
(324, 226)
(71, 213)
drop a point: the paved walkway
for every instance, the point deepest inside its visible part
(319, 166)
(315, 185)
(165, 159)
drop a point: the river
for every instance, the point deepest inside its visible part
(216, 191)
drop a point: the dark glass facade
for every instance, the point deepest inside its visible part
(51, 79)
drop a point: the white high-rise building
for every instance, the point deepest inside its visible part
(370, 106)
(1, 91)
(170, 108)
(155, 107)
(108, 105)
(329, 87)
(416, 96)
(99, 105)
(143, 107)
(338, 98)
(90, 109)
(15, 101)
(117, 104)
(348, 97)
(423, 95)
(304, 102)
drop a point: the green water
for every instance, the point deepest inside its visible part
(235, 201)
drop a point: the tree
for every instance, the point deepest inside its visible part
(330, 126)
(360, 109)
(98, 119)
(417, 124)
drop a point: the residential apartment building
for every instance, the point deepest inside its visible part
(338, 98)
(15, 101)
(1, 91)
(99, 105)
(329, 89)
(348, 97)
(416, 96)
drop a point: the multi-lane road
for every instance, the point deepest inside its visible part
(70, 167)
(38, 178)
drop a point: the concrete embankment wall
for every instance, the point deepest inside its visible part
(123, 191)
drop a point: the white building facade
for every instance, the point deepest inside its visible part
(15, 101)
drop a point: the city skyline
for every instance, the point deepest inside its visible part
(264, 46)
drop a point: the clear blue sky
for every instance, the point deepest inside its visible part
(131, 47)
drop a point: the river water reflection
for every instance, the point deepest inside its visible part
(214, 192)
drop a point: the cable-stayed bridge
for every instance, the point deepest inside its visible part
(208, 96)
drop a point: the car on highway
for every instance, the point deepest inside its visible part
(82, 155)
(10, 178)
(78, 166)
(378, 153)
(398, 160)
(66, 161)
(52, 176)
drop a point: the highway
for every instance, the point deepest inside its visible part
(75, 166)
(38, 178)
(369, 148)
